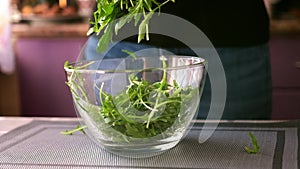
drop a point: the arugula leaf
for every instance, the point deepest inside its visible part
(144, 27)
(105, 39)
(255, 145)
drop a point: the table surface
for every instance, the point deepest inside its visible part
(8, 123)
(35, 143)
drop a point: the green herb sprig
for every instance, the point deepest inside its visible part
(108, 11)
(76, 129)
(255, 145)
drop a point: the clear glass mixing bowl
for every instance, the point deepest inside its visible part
(137, 107)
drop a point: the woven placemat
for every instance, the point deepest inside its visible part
(40, 145)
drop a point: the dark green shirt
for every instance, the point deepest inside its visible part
(227, 23)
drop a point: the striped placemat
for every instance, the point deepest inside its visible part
(39, 144)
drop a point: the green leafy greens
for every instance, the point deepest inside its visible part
(143, 109)
(106, 18)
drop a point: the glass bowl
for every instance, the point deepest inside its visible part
(137, 107)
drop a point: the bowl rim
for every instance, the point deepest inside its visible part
(81, 65)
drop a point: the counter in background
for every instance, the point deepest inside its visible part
(38, 30)
(50, 30)
(285, 27)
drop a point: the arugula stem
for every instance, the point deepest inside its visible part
(255, 145)
(164, 78)
(72, 84)
(160, 91)
(71, 132)
(166, 102)
(100, 93)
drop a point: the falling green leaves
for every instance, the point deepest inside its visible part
(114, 14)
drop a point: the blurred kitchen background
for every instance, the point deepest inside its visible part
(38, 36)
